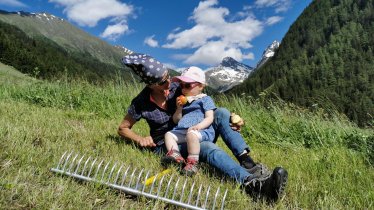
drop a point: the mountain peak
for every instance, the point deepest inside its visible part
(228, 74)
(268, 53)
(228, 60)
(234, 64)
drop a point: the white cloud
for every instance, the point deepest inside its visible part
(90, 12)
(171, 66)
(273, 20)
(213, 52)
(214, 37)
(114, 31)
(150, 41)
(12, 3)
(279, 5)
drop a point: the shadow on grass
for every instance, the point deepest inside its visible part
(120, 140)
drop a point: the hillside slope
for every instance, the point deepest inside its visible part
(64, 34)
(43, 58)
(325, 60)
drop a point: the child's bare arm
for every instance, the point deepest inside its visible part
(177, 114)
(208, 120)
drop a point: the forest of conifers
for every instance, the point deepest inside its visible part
(42, 58)
(326, 59)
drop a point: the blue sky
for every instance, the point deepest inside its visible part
(179, 33)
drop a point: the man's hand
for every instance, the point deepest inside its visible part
(236, 122)
(146, 142)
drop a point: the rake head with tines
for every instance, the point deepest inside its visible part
(137, 182)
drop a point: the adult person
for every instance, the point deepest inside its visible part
(156, 103)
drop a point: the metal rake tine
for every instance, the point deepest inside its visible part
(79, 164)
(160, 185)
(72, 163)
(138, 180)
(132, 177)
(111, 172)
(125, 175)
(167, 188)
(66, 161)
(105, 168)
(190, 196)
(98, 168)
(153, 184)
(145, 179)
(198, 195)
(119, 171)
(223, 199)
(60, 161)
(85, 165)
(184, 186)
(93, 163)
(215, 198)
(175, 188)
(206, 198)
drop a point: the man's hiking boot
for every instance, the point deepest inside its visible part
(254, 183)
(269, 186)
(191, 167)
(259, 169)
(274, 188)
(172, 157)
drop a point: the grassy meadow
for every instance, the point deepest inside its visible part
(329, 160)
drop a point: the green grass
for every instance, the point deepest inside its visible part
(9, 74)
(329, 160)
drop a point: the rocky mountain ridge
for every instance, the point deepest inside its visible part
(230, 72)
(268, 53)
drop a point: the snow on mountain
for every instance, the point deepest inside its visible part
(228, 74)
(41, 15)
(268, 53)
(231, 72)
(124, 49)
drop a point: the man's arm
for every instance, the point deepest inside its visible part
(124, 130)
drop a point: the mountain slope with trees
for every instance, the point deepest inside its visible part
(325, 60)
(43, 58)
(64, 34)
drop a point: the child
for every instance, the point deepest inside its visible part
(195, 125)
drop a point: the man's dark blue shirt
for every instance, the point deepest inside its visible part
(159, 120)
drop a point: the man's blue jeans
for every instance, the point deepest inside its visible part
(211, 154)
(215, 156)
(232, 139)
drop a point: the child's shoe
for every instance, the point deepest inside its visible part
(191, 167)
(172, 157)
